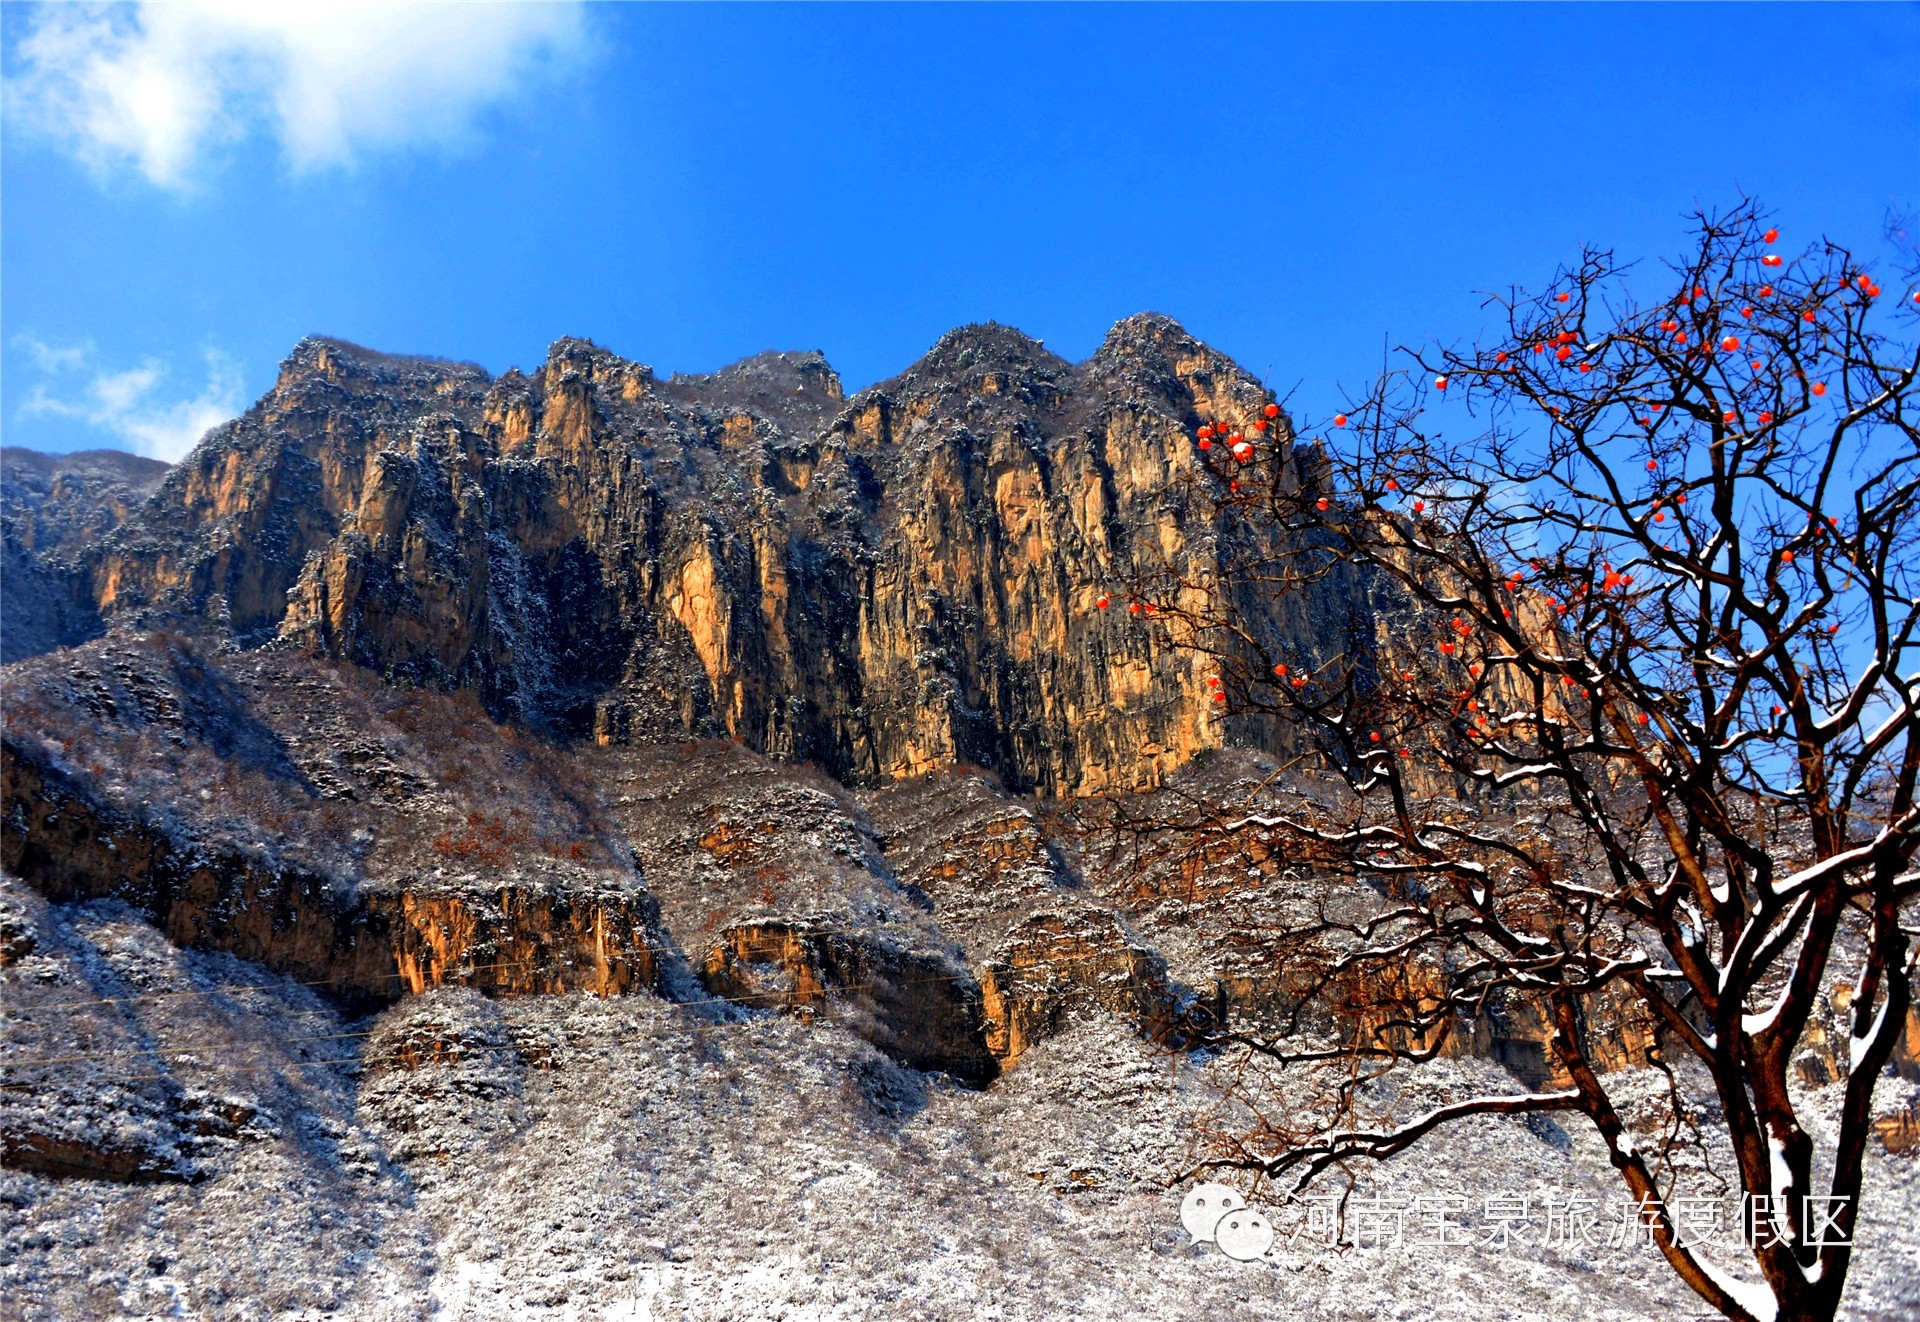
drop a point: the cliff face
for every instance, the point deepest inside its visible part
(884, 585)
(305, 816)
(406, 660)
(58, 505)
(230, 529)
(53, 507)
(509, 939)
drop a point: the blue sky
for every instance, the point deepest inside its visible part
(186, 195)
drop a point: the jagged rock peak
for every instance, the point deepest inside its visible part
(571, 358)
(798, 390)
(985, 346)
(1154, 353)
(786, 371)
(1147, 333)
(579, 349)
(342, 361)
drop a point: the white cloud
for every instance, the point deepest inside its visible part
(131, 406)
(51, 357)
(155, 86)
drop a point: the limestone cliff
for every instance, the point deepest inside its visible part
(59, 504)
(727, 684)
(306, 817)
(52, 508)
(886, 584)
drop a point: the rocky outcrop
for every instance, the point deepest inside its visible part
(1046, 946)
(164, 1150)
(442, 1078)
(920, 1007)
(517, 941)
(232, 526)
(56, 506)
(1055, 965)
(885, 585)
(361, 944)
(1898, 1130)
(60, 1156)
(52, 508)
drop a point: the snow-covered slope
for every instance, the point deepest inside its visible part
(572, 1157)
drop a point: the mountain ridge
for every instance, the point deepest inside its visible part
(436, 766)
(441, 651)
(883, 582)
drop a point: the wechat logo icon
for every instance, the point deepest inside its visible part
(1217, 1214)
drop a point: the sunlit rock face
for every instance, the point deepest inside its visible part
(725, 685)
(885, 585)
(515, 924)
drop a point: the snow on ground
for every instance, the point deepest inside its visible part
(572, 1158)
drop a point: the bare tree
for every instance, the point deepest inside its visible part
(1654, 554)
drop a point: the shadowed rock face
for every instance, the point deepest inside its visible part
(918, 1007)
(884, 585)
(52, 507)
(56, 505)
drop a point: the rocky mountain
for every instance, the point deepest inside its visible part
(55, 505)
(436, 654)
(449, 745)
(52, 507)
(883, 585)
(727, 685)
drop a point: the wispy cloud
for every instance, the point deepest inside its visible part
(135, 407)
(53, 357)
(156, 87)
